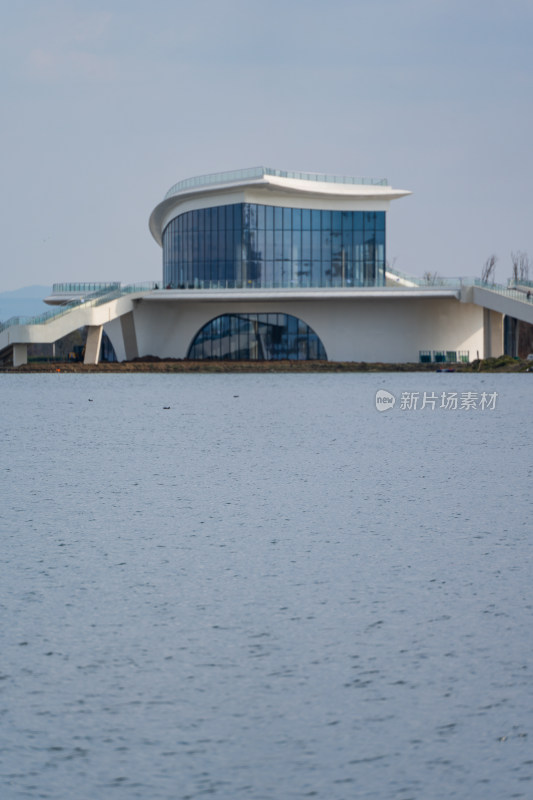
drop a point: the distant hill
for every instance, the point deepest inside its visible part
(25, 302)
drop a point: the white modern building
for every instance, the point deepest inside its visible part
(266, 264)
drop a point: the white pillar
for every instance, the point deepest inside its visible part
(92, 345)
(487, 334)
(20, 355)
(129, 336)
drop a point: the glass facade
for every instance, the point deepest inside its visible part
(247, 245)
(256, 337)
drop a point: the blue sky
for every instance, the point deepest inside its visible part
(107, 104)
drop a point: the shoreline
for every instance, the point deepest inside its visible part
(153, 365)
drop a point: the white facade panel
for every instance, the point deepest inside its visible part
(391, 330)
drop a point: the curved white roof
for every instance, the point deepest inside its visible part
(306, 188)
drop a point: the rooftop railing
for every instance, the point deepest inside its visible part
(85, 288)
(259, 172)
(252, 285)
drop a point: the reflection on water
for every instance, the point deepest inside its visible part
(267, 590)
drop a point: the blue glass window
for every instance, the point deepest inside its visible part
(256, 337)
(250, 245)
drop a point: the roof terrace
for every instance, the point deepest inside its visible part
(259, 172)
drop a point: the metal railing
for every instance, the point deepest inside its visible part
(526, 284)
(513, 294)
(245, 285)
(462, 283)
(130, 288)
(431, 280)
(89, 301)
(109, 292)
(85, 288)
(54, 313)
(259, 172)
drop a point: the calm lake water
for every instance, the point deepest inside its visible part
(268, 590)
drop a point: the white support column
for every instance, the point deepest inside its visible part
(129, 336)
(20, 355)
(92, 345)
(496, 329)
(487, 337)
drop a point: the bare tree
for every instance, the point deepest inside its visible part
(524, 267)
(521, 265)
(487, 273)
(431, 278)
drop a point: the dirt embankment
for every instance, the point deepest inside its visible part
(153, 364)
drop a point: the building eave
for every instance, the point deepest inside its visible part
(299, 189)
(254, 295)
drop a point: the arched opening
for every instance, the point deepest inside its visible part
(256, 337)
